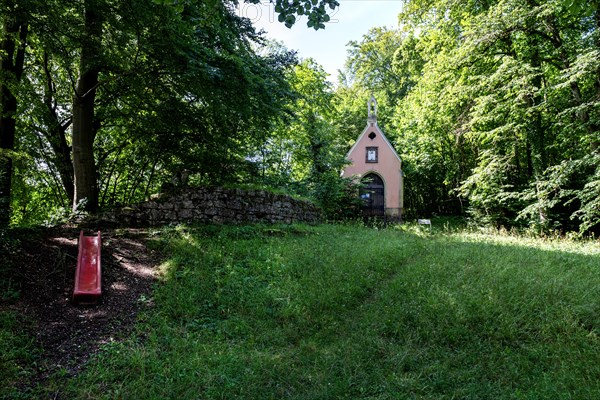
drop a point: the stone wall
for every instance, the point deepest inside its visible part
(214, 205)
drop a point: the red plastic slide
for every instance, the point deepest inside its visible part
(88, 277)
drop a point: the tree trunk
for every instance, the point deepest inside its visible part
(63, 162)
(12, 57)
(56, 135)
(84, 130)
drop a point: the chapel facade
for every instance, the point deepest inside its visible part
(375, 162)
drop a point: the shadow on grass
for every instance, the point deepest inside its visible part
(349, 312)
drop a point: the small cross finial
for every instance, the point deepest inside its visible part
(372, 109)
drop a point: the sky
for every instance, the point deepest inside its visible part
(350, 21)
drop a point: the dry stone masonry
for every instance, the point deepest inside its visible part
(215, 205)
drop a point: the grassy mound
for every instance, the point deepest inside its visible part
(350, 312)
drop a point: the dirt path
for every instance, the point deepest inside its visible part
(69, 334)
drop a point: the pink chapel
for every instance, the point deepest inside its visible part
(374, 161)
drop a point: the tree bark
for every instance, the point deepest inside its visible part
(62, 158)
(57, 135)
(12, 57)
(84, 130)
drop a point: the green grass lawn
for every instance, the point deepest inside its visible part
(350, 312)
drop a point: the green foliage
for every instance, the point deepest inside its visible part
(495, 108)
(337, 197)
(492, 106)
(305, 153)
(349, 312)
(384, 64)
(427, 133)
(315, 10)
(187, 86)
(36, 196)
(573, 188)
(514, 118)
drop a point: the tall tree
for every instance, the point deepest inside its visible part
(12, 55)
(84, 128)
(84, 97)
(305, 154)
(529, 71)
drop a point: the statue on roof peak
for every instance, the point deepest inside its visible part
(372, 109)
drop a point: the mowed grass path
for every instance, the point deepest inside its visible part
(346, 312)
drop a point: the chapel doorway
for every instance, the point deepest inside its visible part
(373, 196)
